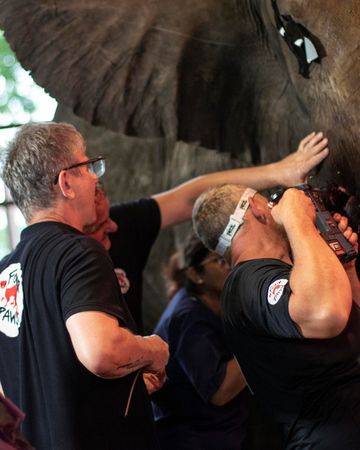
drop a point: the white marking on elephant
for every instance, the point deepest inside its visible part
(310, 51)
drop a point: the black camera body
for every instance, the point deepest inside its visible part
(325, 223)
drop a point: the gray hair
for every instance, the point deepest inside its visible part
(33, 159)
(212, 211)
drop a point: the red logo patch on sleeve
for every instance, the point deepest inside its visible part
(275, 290)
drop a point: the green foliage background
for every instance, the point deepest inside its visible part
(9, 73)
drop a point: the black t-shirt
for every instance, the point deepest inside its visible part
(55, 272)
(311, 386)
(138, 226)
(198, 357)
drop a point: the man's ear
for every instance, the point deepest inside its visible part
(194, 276)
(65, 185)
(257, 211)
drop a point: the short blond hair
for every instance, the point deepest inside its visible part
(212, 211)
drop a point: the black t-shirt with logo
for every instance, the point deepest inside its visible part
(138, 227)
(53, 273)
(310, 386)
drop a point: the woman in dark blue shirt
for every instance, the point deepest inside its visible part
(204, 402)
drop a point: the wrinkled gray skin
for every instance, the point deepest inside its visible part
(207, 70)
(212, 71)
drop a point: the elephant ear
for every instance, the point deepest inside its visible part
(139, 67)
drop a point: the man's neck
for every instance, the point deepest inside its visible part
(275, 247)
(56, 215)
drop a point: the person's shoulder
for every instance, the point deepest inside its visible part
(262, 262)
(83, 246)
(249, 277)
(5, 261)
(184, 312)
(133, 206)
(185, 308)
(132, 215)
(55, 241)
(255, 298)
(260, 266)
(63, 237)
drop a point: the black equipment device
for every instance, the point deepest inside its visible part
(325, 223)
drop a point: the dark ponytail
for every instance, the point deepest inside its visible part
(175, 274)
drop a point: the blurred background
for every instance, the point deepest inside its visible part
(21, 101)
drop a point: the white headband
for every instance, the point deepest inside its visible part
(235, 222)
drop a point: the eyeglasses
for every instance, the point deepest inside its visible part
(217, 259)
(96, 166)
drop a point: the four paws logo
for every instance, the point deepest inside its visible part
(275, 290)
(11, 300)
(123, 280)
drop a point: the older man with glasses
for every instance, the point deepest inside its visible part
(68, 355)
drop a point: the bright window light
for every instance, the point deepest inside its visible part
(11, 219)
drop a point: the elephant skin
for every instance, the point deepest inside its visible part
(210, 71)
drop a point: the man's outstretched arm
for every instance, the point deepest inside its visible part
(177, 203)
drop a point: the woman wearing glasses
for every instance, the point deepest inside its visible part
(204, 402)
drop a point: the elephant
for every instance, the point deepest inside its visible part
(221, 73)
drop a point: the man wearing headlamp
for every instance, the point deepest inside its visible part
(291, 312)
